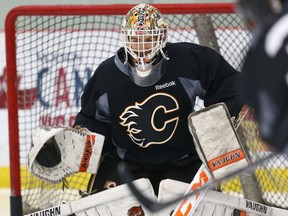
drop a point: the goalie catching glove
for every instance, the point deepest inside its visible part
(58, 152)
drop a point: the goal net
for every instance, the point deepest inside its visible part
(52, 51)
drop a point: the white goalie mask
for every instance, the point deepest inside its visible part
(145, 35)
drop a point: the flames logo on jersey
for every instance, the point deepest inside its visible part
(152, 121)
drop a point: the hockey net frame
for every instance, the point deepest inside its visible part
(202, 13)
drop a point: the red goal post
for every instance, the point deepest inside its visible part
(52, 51)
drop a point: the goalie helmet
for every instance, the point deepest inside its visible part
(145, 35)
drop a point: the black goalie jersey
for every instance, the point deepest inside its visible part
(148, 124)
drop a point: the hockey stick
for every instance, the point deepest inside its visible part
(154, 206)
(189, 204)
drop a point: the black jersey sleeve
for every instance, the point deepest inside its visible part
(219, 79)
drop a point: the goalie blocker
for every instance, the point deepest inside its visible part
(216, 141)
(58, 152)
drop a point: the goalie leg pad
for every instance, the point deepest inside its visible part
(115, 201)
